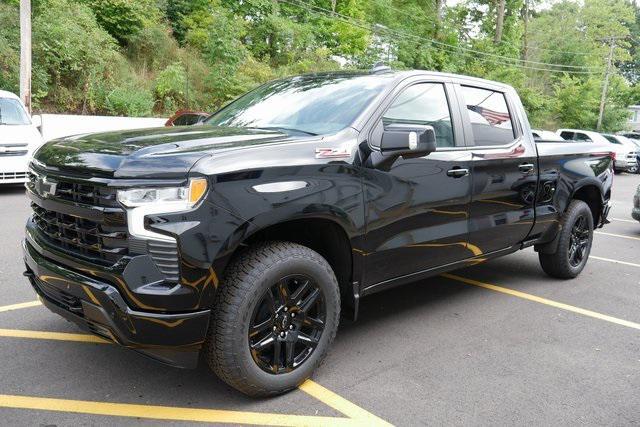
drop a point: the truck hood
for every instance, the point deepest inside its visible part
(167, 153)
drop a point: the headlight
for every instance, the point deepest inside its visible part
(171, 197)
(141, 202)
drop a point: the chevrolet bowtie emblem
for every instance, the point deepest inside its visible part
(44, 187)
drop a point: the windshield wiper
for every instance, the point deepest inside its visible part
(286, 129)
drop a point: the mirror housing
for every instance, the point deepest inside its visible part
(37, 122)
(407, 140)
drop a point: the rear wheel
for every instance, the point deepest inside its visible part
(574, 244)
(275, 316)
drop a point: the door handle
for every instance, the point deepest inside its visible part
(526, 167)
(457, 172)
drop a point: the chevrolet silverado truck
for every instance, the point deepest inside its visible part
(238, 242)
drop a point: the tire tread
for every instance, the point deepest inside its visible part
(239, 280)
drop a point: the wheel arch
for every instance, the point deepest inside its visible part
(329, 235)
(591, 194)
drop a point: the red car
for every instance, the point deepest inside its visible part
(186, 118)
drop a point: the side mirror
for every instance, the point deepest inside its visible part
(408, 140)
(37, 122)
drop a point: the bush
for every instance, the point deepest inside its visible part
(71, 51)
(129, 101)
(170, 86)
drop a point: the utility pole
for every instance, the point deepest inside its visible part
(603, 99)
(499, 21)
(525, 37)
(25, 53)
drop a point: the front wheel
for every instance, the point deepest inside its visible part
(574, 243)
(275, 317)
(633, 169)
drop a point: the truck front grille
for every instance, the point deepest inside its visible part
(79, 236)
(87, 194)
(102, 243)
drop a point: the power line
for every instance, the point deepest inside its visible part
(513, 61)
(444, 46)
(548, 50)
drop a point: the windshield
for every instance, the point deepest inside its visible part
(309, 104)
(12, 113)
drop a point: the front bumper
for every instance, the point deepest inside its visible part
(624, 164)
(98, 307)
(13, 169)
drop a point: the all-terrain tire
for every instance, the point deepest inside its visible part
(244, 284)
(558, 264)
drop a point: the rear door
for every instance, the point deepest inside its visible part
(417, 208)
(504, 168)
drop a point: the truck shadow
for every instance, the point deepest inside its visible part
(11, 189)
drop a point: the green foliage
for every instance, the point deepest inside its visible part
(120, 18)
(9, 55)
(129, 101)
(143, 57)
(170, 86)
(71, 52)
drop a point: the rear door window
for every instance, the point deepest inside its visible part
(489, 116)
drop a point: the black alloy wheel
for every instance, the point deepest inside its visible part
(275, 315)
(566, 256)
(579, 241)
(287, 324)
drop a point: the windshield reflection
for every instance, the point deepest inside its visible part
(307, 104)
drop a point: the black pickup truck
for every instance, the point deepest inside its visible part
(241, 240)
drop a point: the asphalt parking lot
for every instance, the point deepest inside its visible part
(498, 343)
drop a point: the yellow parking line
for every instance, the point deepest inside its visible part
(341, 404)
(622, 236)
(357, 415)
(57, 336)
(614, 261)
(545, 301)
(19, 306)
(172, 413)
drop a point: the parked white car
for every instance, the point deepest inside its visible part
(545, 135)
(19, 138)
(625, 152)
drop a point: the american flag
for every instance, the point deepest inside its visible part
(493, 117)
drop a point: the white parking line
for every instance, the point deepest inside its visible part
(622, 236)
(615, 261)
(624, 220)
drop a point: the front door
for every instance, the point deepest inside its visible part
(417, 208)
